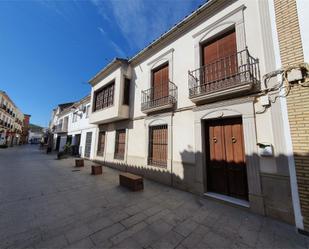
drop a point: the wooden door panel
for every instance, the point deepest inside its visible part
(237, 169)
(226, 170)
(216, 172)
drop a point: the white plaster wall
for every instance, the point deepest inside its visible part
(81, 123)
(93, 141)
(33, 135)
(181, 55)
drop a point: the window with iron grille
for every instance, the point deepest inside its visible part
(120, 144)
(104, 97)
(158, 142)
(101, 143)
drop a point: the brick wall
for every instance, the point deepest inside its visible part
(291, 53)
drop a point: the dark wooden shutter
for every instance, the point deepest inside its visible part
(219, 59)
(101, 143)
(126, 92)
(158, 142)
(160, 81)
(120, 144)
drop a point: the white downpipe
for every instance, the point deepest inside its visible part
(293, 180)
(286, 126)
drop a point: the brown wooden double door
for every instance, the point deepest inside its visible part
(226, 166)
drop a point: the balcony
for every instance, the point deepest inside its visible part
(226, 77)
(60, 128)
(157, 99)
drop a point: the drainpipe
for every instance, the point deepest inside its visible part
(293, 180)
(172, 181)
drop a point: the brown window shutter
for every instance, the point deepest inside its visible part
(219, 60)
(126, 92)
(160, 84)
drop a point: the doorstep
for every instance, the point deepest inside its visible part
(228, 199)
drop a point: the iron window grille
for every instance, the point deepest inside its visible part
(104, 97)
(158, 145)
(224, 73)
(101, 143)
(120, 144)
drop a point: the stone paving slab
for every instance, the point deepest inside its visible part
(45, 203)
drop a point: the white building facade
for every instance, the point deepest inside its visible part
(190, 110)
(82, 133)
(70, 126)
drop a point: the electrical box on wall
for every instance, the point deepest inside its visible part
(295, 75)
(265, 149)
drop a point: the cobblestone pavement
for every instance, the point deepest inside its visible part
(45, 203)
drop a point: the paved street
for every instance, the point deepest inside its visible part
(46, 203)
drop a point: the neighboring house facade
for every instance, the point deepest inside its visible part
(70, 125)
(57, 126)
(25, 129)
(11, 119)
(36, 133)
(61, 129)
(190, 109)
(83, 134)
(291, 44)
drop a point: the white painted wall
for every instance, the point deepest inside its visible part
(182, 56)
(34, 135)
(82, 126)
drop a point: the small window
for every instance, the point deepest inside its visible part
(74, 118)
(158, 145)
(120, 144)
(101, 143)
(104, 97)
(87, 111)
(126, 92)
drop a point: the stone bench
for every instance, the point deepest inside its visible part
(131, 181)
(79, 163)
(96, 170)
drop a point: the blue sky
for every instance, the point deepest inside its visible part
(50, 49)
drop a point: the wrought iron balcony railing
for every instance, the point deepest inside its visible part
(61, 128)
(157, 98)
(223, 74)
